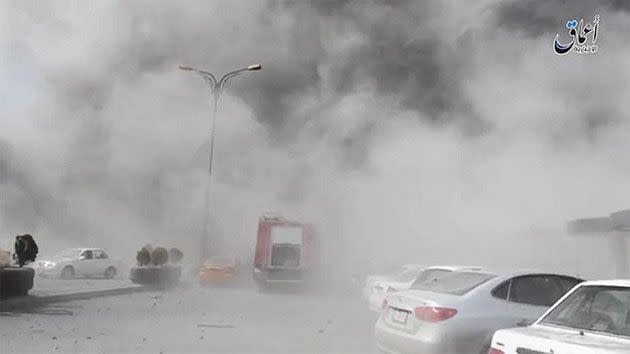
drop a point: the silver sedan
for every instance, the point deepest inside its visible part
(460, 312)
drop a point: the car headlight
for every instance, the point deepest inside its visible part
(50, 265)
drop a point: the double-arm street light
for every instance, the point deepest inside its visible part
(216, 87)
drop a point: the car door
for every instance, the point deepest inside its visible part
(501, 313)
(531, 295)
(100, 262)
(85, 264)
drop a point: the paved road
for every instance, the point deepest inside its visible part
(193, 320)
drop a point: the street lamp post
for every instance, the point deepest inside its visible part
(216, 87)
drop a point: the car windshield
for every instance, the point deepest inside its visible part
(455, 283)
(604, 309)
(429, 275)
(69, 253)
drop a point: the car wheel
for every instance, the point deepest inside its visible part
(110, 273)
(67, 272)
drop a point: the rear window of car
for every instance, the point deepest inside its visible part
(455, 283)
(429, 275)
(604, 309)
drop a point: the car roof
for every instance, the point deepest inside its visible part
(515, 272)
(503, 275)
(455, 268)
(611, 282)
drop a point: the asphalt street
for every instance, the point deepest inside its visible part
(193, 319)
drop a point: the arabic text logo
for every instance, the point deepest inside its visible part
(579, 33)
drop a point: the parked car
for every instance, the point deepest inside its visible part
(459, 312)
(382, 288)
(78, 262)
(218, 270)
(593, 318)
(406, 272)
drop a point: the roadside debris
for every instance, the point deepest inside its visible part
(17, 281)
(175, 255)
(25, 249)
(143, 257)
(157, 267)
(159, 256)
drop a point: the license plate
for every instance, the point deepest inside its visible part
(400, 316)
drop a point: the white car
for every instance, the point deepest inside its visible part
(459, 312)
(78, 262)
(593, 318)
(382, 288)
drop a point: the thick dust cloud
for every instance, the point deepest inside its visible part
(407, 131)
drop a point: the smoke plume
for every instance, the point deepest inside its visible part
(407, 131)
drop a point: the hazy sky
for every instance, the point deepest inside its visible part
(403, 129)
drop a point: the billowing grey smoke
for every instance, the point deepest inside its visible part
(405, 129)
(538, 18)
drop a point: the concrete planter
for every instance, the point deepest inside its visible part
(15, 281)
(162, 276)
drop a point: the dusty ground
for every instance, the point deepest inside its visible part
(47, 287)
(193, 319)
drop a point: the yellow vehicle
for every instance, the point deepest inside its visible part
(218, 270)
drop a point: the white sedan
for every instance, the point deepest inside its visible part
(78, 262)
(382, 288)
(593, 318)
(459, 312)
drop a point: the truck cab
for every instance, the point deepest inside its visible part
(284, 252)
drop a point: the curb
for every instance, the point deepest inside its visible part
(32, 301)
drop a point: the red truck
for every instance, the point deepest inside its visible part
(285, 252)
